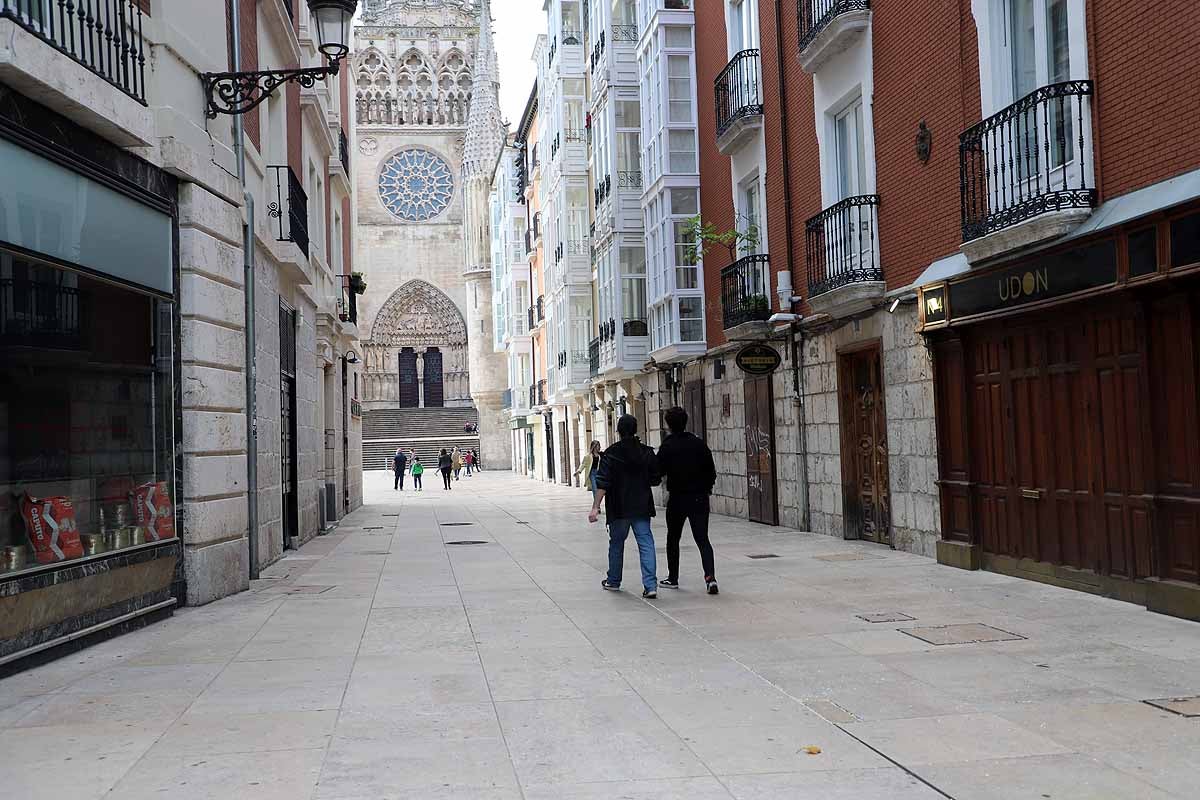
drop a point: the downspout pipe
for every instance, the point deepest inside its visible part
(239, 143)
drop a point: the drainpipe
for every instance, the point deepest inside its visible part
(239, 143)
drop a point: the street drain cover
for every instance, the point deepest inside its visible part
(308, 589)
(1183, 706)
(468, 541)
(885, 616)
(971, 633)
(454, 524)
(846, 557)
(374, 528)
(389, 515)
(763, 555)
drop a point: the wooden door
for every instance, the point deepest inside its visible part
(434, 394)
(287, 425)
(693, 404)
(760, 451)
(866, 498)
(409, 386)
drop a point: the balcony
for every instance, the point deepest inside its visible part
(594, 357)
(343, 150)
(40, 314)
(625, 33)
(532, 321)
(739, 105)
(541, 392)
(827, 27)
(347, 302)
(292, 213)
(745, 300)
(1025, 172)
(104, 36)
(541, 309)
(844, 276)
(629, 179)
(533, 394)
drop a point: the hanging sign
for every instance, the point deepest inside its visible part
(758, 359)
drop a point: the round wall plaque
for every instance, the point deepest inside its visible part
(758, 359)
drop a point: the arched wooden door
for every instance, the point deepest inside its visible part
(409, 388)
(435, 396)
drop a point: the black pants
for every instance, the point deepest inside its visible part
(446, 477)
(692, 509)
(399, 484)
(416, 481)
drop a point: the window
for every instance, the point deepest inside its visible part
(850, 151)
(633, 287)
(685, 202)
(691, 319)
(742, 25)
(685, 257)
(679, 36)
(749, 216)
(679, 89)
(682, 146)
(629, 114)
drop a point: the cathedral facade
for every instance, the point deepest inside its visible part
(427, 127)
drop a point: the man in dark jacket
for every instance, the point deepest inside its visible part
(687, 463)
(627, 471)
(399, 464)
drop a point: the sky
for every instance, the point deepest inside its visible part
(517, 25)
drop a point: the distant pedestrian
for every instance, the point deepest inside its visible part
(399, 465)
(456, 462)
(626, 474)
(445, 465)
(475, 461)
(687, 464)
(588, 467)
(468, 460)
(417, 471)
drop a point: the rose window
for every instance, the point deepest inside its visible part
(416, 185)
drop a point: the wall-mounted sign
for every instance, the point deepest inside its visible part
(758, 359)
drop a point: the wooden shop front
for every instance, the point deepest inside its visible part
(1068, 413)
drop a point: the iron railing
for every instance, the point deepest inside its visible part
(537, 226)
(541, 308)
(570, 36)
(842, 246)
(745, 289)
(40, 314)
(737, 91)
(105, 36)
(594, 357)
(624, 33)
(532, 321)
(296, 212)
(1026, 160)
(533, 395)
(813, 16)
(344, 150)
(629, 179)
(635, 327)
(541, 392)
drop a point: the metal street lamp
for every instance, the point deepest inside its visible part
(239, 92)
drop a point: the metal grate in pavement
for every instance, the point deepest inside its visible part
(307, 589)
(885, 616)
(373, 528)
(969, 633)
(1183, 706)
(763, 555)
(846, 557)
(454, 524)
(468, 541)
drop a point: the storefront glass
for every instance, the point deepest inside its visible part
(86, 417)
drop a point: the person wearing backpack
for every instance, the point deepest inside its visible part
(445, 465)
(417, 471)
(626, 474)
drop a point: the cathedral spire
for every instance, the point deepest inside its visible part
(485, 128)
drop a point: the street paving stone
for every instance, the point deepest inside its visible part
(378, 663)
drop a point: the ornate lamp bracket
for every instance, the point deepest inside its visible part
(239, 92)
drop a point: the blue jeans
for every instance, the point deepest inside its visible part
(618, 532)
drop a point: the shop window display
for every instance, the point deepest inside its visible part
(86, 422)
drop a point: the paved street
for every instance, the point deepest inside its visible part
(380, 662)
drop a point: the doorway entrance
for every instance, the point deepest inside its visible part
(693, 404)
(287, 424)
(410, 391)
(760, 451)
(866, 500)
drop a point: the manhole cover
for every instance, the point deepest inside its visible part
(374, 528)
(763, 555)
(971, 633)
(846, 557)
(1183, 706)
(523, 522)
(467, 541)
(454, 524)
(885, 616)
(308, 589)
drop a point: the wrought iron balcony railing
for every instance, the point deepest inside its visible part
(842, 245)
(532, 321)
(1026, 160)
(541, 392)
(344, 150)
(745, 290)
(594, 357)
(629, 179)
(541, 308)
(40, 314)
(624, 33)
(635, 327)
(813, 16)
(737, 90)
(105, 36)
(533, 394)
(293, 219)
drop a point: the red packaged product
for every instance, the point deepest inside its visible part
(50, 525)
(152, 510)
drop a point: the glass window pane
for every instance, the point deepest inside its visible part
(683, 151)
(1024, 67)
(1058, 47)
(678, 35)
(685, 201)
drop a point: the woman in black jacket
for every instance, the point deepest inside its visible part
(445, 466)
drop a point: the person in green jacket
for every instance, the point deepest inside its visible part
(417, 470)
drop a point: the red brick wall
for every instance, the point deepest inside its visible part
(919, 212)
(1147, 98)
(248, 9)
(716, 196)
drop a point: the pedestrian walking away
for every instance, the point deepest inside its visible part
(624, 479)
(687, 464)
(475, 461)
(468, 461)
(588, 467)
(456, 462)
(399, 465)
(418, 469)
(445, 466)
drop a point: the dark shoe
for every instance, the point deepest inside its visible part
(649, 594)
(711, 583)
(604, 584)
(670, 583)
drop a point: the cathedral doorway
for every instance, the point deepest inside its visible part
(416, 355)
